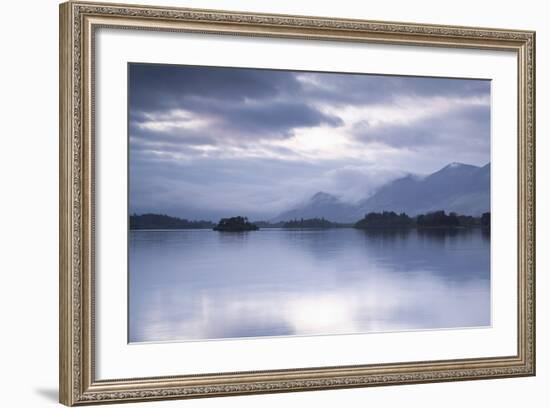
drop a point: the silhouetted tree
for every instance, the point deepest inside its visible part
(235, 224)
(486, 220)
(161, 221)
(309, 223)
(437, 219)
(386, 219)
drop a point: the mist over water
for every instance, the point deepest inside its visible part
(203, 284)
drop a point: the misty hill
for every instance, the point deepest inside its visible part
(457, 187)
(320, 205)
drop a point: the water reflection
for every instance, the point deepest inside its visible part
(200, 284)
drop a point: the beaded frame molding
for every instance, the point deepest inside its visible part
(78, 22)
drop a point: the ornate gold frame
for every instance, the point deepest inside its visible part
(78, 21)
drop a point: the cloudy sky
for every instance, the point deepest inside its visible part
(207, 141)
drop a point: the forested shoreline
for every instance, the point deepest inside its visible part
(372, 220)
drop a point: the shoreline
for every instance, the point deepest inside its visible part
(481, 227)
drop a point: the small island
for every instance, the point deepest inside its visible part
(386, 219)
(435, 219)
(235, 224)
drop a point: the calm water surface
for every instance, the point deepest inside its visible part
(203, 284)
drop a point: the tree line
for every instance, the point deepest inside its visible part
(161, 221)
(311, 223)
(435, 219)
(372, 220)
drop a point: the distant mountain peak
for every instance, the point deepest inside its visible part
(455, 169)
(456, 165)
(458, 187)
(322, 196)
(320, 205)
(410, 176)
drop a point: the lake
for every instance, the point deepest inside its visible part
(203, 284)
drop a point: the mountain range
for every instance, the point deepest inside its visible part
(462, 188)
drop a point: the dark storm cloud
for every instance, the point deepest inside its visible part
(240, 102)
(374, 89)
(270, 104)
(276, 117)
(154, 87)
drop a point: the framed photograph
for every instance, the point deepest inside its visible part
(256, 203)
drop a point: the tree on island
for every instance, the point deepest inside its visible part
(386, 219)
(438, 219)
(486, 220)
(309, 223)
(268, 224)
(468, 221)
(235, 224)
